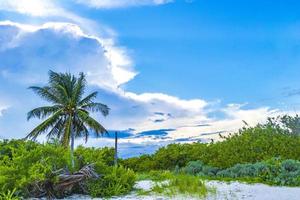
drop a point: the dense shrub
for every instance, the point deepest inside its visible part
(194, 167)
(198, 168)
(274, 171)
(86, 155)
(142, 164)
(248, 145)
(116, 181)
(22, 163)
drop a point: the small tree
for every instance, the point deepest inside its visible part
(68, 117)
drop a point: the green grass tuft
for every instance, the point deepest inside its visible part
(9, 195)
(169, 184)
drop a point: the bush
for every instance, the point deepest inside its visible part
(273, 171)
(144, 163)
(116, 181)
(208, 171)
(24, 163)
(193, 167)
(290, 165)
(248, 145)
(90, 155)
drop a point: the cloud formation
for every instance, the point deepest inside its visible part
(31, 7)
(27, 52)
(121, 3)
(38, 8)
(56, 45)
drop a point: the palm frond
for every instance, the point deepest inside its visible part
(80, 129)
(88, 99)
(91, 123)
(57, 129)
(63, 83)
(79, 88)
(70, 112)
(96, 107)
(44, 126)
(42, 112)
(46, 93)
(61, 91)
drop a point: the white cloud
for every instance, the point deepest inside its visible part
(121, 3)
(30, 7)
(43, 8)
(67, 48)
(27, 52)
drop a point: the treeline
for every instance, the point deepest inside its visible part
(277, 138)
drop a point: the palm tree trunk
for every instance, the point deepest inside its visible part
(72, 147)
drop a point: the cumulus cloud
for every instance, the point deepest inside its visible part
(61, 47)
(27, 52)
(121, 3)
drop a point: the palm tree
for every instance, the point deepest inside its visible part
(68, 116)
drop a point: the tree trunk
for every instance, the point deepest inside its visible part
(72, 148)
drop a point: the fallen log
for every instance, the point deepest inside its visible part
(65, 183)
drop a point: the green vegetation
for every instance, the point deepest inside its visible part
(9, 195)
(25, 163)
(116, 181)
(155, 175)
(250, 154)
(68, 117)
(273, 171)
(267, 153)
(171, 184)
(182, 184)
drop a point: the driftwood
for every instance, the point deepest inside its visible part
(65, 183)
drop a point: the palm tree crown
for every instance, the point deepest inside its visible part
(69, 116)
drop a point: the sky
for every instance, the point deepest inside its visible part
(170, 70)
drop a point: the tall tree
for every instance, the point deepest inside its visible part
(68, 117)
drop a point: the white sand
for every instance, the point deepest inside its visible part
(230, 191)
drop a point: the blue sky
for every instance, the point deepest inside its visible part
(175, 70)
(214, 48)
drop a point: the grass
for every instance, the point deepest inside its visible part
(165, 175)
(169, 184)
(141, 192)
(155, 175)
(9, 195)
(183, 185)
(247, 180)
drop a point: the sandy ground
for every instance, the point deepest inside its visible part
(224, 191)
